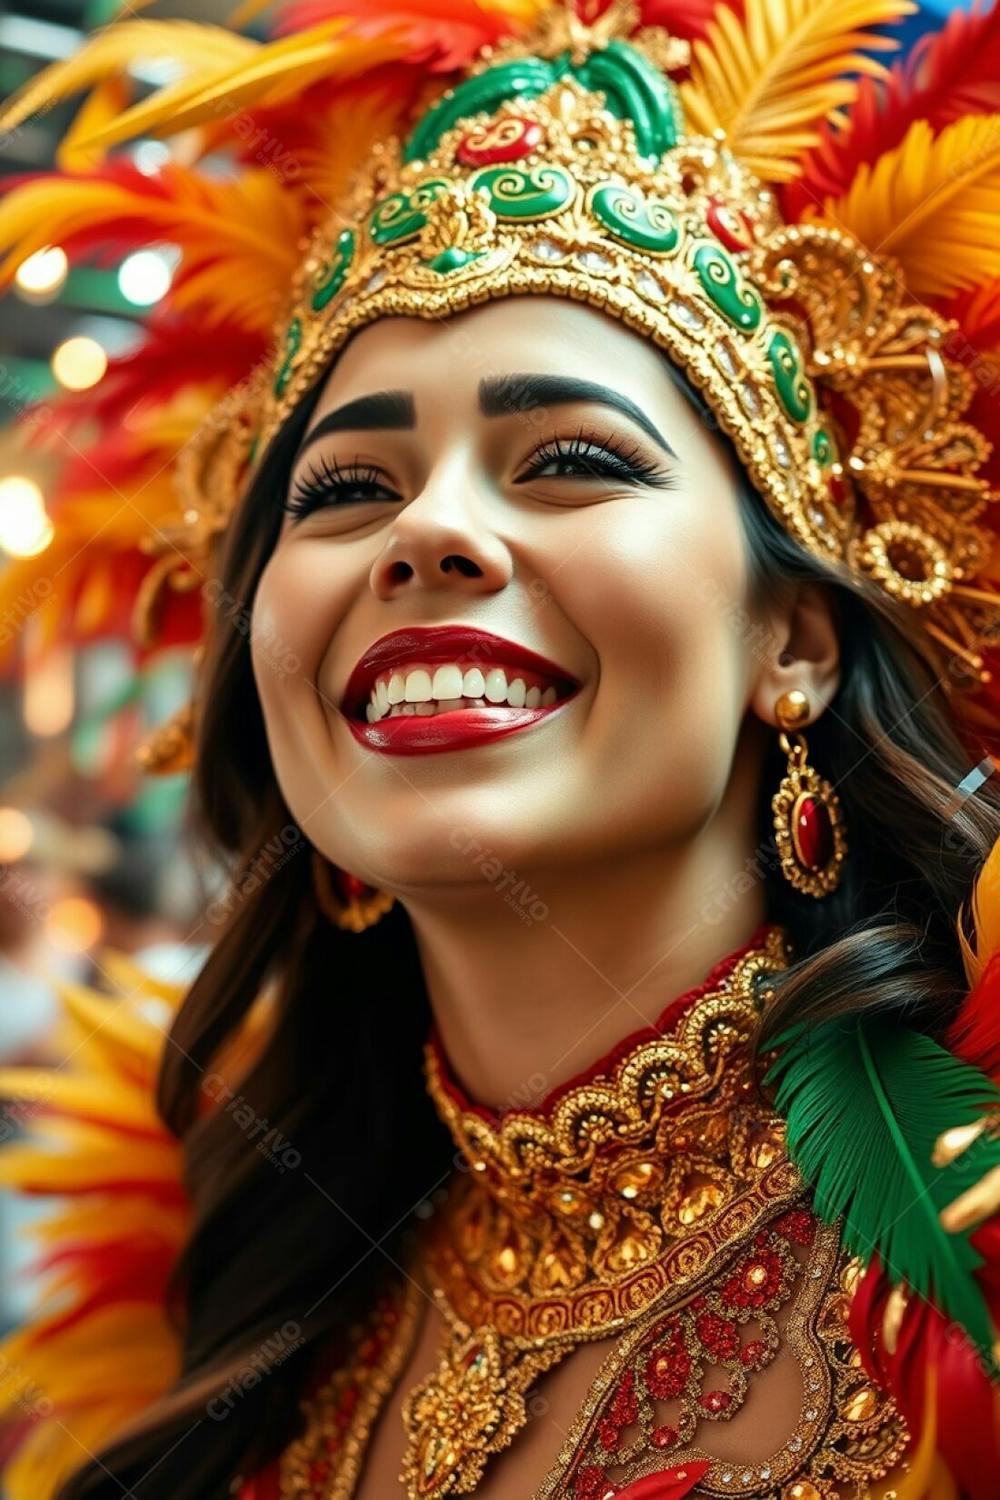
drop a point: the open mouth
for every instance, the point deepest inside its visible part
(426, 689)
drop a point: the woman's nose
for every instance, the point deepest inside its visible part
(441, 540)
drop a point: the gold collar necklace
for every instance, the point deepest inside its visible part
(618, 1195)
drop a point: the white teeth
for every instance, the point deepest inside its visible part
(496, 685)
(426, 690)
(418, 686)
(447, 683)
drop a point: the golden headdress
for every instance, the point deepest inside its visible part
(828, 278)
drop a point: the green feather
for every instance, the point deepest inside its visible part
(864, 1100)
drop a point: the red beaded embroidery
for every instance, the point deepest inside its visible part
(670, 1364)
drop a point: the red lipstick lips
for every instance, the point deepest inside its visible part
(455, 729)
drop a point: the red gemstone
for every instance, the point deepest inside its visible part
(609, 1432)
(812, 832)
(731, 227)
(663, 1437)
(754, 1354)
(319, 1471)
(719, 1336)
(798, 1225)
(350, 886)
(716, 1401)
(507, 139)
(590, 1483)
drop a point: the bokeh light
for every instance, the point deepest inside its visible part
(79, 362)
(145, 277)
(74, 924)
(41, 276)
(16, 835)
(25, 528)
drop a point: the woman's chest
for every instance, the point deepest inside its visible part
(748, 1387)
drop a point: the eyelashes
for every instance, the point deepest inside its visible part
(581, 457)
(330, 483)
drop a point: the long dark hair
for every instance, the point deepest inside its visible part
(303, 1249)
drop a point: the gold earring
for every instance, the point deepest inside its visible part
(808, 825)
(344, 899)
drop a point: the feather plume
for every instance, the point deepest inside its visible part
(440, 35)
(768, 83)
(932, 203)
(866, 1150)
(953, 73)
(984, 911)
(199, 50)
(238, 240)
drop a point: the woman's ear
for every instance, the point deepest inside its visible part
(804, 652)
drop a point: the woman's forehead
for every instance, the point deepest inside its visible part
(534, 335)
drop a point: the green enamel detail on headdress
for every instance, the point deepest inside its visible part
(293, 341)
(336, 272)
(452, 259)
(644, 222)
(633, 89)
(722, 281)
(789, 376)
(402, 215)
(532, 194)
(822, 447)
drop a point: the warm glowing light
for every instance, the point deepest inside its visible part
(79, 363)
(25, 529)
(74, 924)
(49, 693)
(150, 156)
(145, 277)
(16, 835)
(40, 277)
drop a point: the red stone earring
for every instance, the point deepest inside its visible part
(808, 826)
(344, 899)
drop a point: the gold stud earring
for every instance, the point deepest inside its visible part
(808, 823)
(346, 900)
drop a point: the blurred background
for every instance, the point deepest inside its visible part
(93, 855)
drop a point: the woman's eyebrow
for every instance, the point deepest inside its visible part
(378, 412)
(501, 395)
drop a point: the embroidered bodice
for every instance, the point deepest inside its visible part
(648, 1203)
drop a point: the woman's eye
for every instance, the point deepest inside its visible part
(328, 484)
(586, 458)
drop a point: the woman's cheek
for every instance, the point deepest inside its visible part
(297, 609)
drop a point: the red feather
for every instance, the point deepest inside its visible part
(950, 73)
(967, 1434)
(442, 35)
(975, 1033)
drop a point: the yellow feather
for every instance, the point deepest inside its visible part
(250, 227)
(197, 49)
(985, 904)
(933, 203)
(105, 102)
(768, 81)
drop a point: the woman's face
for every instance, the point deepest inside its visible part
(529, 470)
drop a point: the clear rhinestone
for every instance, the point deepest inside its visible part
(749, 400)
(545, 249)
(746, 1477)
(810, 1413)
(727, 1477)
(765, 1473)
(649, 287)
(684, 313)
(595, 260)
(795, 1444)
(814, 1385)
(725, 358)
(376, 279)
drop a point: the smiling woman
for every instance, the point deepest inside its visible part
(613, 630)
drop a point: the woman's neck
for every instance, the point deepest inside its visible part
(524, 1002)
